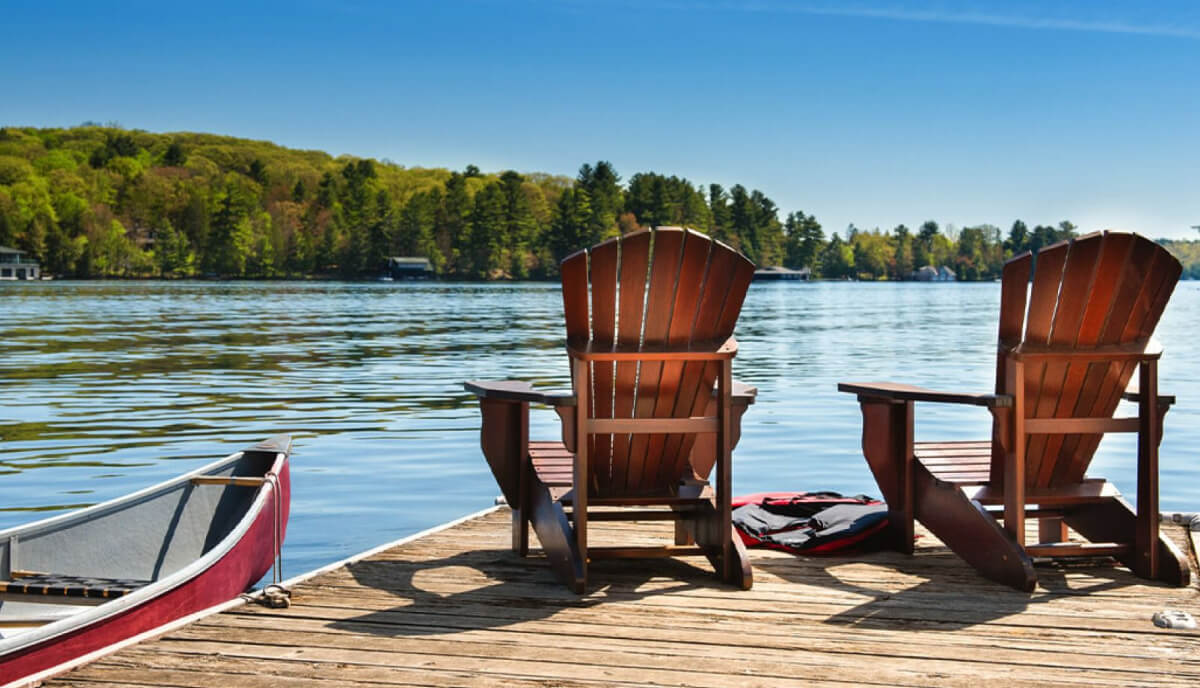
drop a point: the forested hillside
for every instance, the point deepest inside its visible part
(94, 201)
(101, 201)
(973, 253)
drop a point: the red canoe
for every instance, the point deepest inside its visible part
(77, 583)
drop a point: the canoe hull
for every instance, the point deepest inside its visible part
(243, 564)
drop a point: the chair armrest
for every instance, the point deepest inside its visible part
(1132, 393)
(742, 393)
(899, 392)
(516, 390)
(704, 451)
(1136, 396)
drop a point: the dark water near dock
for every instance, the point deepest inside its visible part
(112, 386)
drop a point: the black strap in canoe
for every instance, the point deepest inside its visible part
(71, 586)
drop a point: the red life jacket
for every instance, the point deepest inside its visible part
(808, 522)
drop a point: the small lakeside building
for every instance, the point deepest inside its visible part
(405, 267)
(15, 266)
(932, 274)
(776, 273)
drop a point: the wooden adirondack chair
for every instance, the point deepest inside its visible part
(1063, 364)
(653, 406)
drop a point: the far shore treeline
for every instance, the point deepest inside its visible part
(93, 201)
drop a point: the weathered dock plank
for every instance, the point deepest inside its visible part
(457, 608)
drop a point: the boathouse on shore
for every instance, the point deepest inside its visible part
(775, 273)
(932, 274)
(403, 267)
(15, 266)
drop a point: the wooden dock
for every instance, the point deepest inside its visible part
(458, 608)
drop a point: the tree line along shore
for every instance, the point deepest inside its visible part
(102, 201)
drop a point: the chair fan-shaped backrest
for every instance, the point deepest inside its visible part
(1100, 289)
(662, 288)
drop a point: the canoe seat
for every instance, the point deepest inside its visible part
(70, 586)
(957, 463)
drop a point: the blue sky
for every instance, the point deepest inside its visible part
(876, 113)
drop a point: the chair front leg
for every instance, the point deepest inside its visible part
(725, 465)
(703, 455)
(888, 448)
(1014, 443)
(1149, 437)
(504, 438)
(580, 483)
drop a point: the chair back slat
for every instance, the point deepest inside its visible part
(635, 264)
(1115, 256)
(603, 269)
(667, 288)
(1101, 289)
(1043, 293)
(660, 302)
(1014, 288)
(574, 270)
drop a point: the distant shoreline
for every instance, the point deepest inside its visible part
(106, 202)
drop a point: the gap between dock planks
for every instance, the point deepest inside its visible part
(456, 607)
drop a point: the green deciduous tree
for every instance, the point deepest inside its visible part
(520, 227)
(804, 243)
(174, 155)
(488, 225)
(114, 255)
(722, 217)
(453, 226)
(837, 260)
(873, 254)
(230, 236)
(606, 199)
(172, 252)
(568, 229)
(923, 244)
(115, 145)
(903, 261)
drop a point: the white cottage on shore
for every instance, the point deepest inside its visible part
(932, 274)
(15, 266)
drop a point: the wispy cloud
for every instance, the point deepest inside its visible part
(1058, 16)
(1021, 21)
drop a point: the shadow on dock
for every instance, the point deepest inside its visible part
(523, 588)
(934, 572)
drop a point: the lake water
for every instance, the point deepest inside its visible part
(112, 386)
